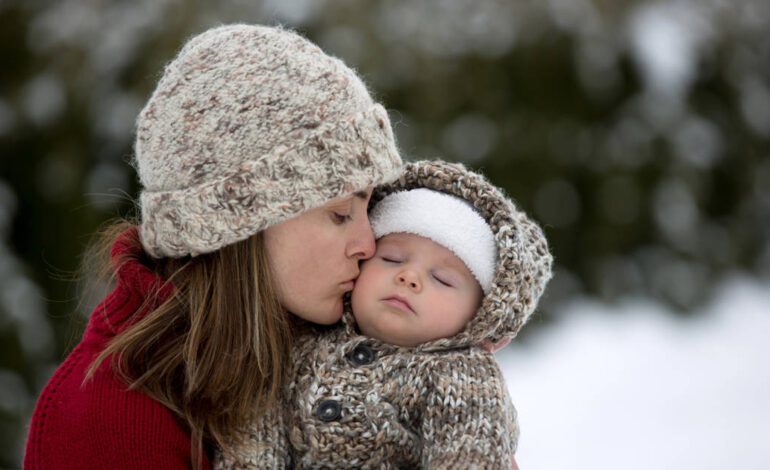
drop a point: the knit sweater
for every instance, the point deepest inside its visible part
(100, 423)
(355, 402)
(360, 403)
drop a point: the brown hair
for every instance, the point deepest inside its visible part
(216, 351)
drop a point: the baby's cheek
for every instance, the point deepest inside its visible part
(359, 295)
(355, 296)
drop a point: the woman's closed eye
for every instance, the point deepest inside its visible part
(340, 219)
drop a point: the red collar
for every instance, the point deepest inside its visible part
(132, 274)
(135, 282)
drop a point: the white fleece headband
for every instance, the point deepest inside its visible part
(447, 220)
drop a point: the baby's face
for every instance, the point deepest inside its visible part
(412, 291)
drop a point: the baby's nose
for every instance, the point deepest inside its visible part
(409, 279)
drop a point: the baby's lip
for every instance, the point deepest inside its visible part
(399, 302)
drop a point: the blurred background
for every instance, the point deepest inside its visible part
(637, 132)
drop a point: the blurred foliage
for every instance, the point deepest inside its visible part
(636, 132)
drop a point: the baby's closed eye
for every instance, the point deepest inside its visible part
(443, 280)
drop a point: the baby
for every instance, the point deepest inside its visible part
(402, 383)
(435, 259)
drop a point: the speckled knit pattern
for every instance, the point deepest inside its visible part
(356, 402)
(249, 126)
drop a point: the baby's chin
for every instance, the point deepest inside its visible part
(387, 328)
(384, 336)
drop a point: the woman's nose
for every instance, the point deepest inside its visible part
(409, 279)
(362, 245)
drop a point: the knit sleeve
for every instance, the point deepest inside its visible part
(264, 445)
(469, 421)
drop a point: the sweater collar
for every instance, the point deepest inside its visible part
(126, 258)
(136, 286)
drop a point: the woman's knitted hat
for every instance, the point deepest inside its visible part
(447, 220)
(249, 126)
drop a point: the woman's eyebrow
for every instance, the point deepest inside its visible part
(346, 200)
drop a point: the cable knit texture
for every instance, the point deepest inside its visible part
(356, 402)
(249, 126)
(101, 423)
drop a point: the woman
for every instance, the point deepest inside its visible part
(257, 154)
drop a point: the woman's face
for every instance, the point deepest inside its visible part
(314, 256)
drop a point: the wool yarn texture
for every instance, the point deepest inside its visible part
(356, 402)
(249, 126)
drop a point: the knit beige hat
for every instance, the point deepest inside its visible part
(249, 126)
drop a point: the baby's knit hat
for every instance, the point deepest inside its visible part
(447, 220)
(249, 126)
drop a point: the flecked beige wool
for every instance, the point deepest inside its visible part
(442, 404)
(249, 126)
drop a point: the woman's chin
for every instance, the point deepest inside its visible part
(321, 313)
(330, 316)
(330, 320)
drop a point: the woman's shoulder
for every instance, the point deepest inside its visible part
(103, 421)
(110, 399)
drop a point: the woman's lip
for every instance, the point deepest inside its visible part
(348, 285)
(399, 304)
(351, 280)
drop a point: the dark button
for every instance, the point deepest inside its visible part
(328, 410)
(362, 355)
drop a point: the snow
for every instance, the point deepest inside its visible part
(633, 386)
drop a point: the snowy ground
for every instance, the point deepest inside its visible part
(631, 386)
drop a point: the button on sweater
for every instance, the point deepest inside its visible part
(100, 423)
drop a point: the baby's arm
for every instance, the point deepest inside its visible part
(469, 419)
(265, 445)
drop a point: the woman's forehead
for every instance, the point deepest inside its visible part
(362, 195)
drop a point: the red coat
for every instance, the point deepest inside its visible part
(102, 424)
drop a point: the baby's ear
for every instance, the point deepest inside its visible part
(491, 347)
